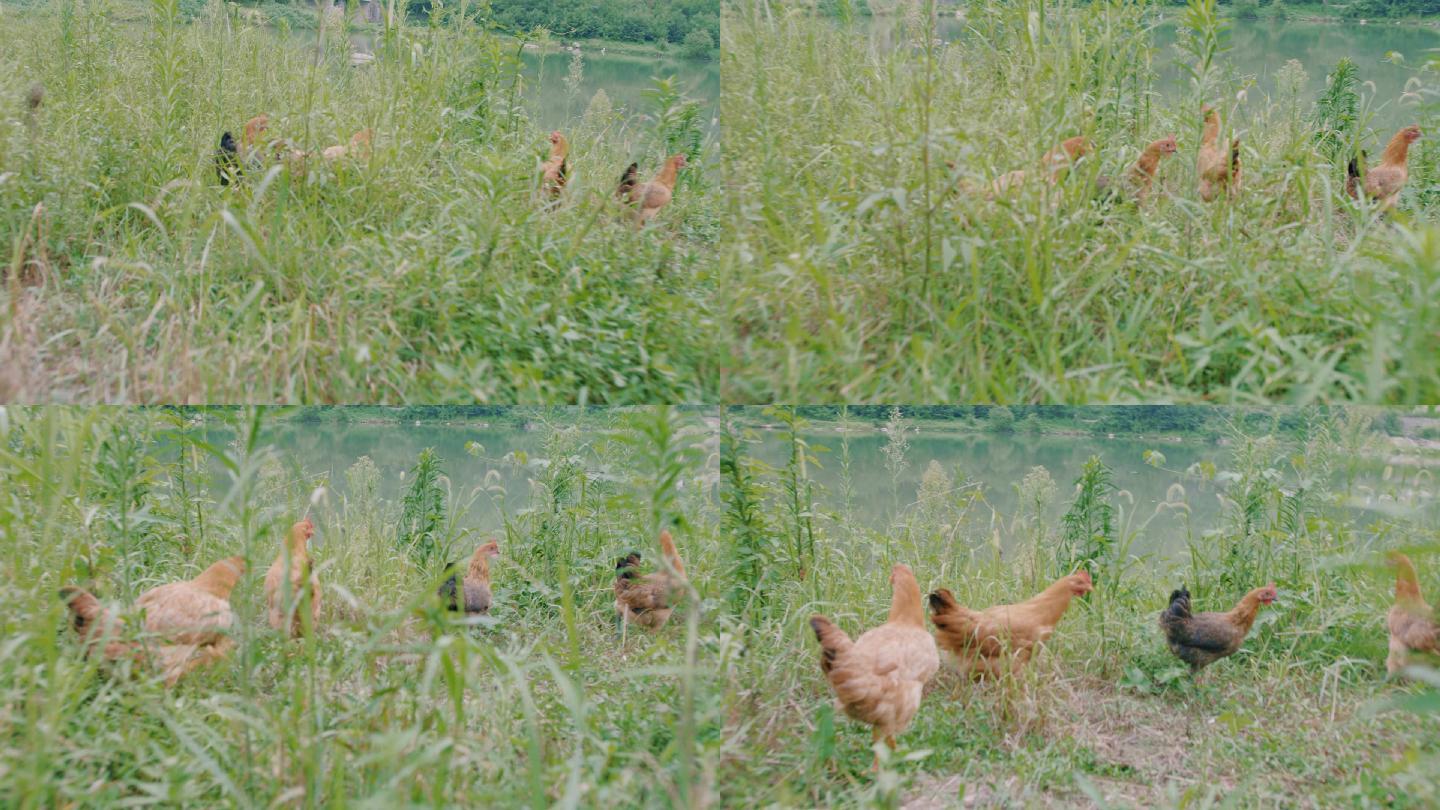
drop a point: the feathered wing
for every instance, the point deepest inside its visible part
(1417, 633)
(650, 592)
(1385, 182)
(652, 196)
(183, 613)
(477, 597)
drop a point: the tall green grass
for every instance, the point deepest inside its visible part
(393, 701)
(1105, 716)
(854, 273)
(431, 272)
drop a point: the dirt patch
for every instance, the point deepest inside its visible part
(1137, 751)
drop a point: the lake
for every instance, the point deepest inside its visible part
(624, 78)
(999, 462)
(1259, 48)
(501, 458)
(323, 452)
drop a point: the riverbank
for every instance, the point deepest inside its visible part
(1157, 423)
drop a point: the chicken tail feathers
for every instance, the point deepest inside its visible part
(628, 180)
(1352, 174)
(92, 623)
(86, 612)
(449, 589)
(667, 547)
(625, 566)
(227, 159)
(1179, 605)
(833, 641)
(942, 602)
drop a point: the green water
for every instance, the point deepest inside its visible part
(624, 78)
(502, 458)
(1165, 507)
(1259, 48)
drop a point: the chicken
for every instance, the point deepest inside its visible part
(470, 593)
(292, 580)
(233, 159)
(196, 615)
(99, 630)
(227, 160)
(989, 643)
(1065, 155)
(1385, 182)
(1216, 168)
(1353, 180)
(1142, 174)
(1235, 183)
(358, 148)
(648, 198)
(879, 677)
(189, 622)
(649, 600)
(1055, 162)
(555, 170)
(254, 135)
(1411, 621)
(1201, 639)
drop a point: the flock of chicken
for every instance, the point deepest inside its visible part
(256, 150)
(880, 677)
(1217, 167)
(189, 624)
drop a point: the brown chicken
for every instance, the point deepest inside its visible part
(470, 593)
(880, 677)
(285, 596)
(1385, 182)
(649, 600)
(555, 170)
(1411, 621)
(1201, 639)
(1055, 162)
(989, 643)
(1142, 174)
(358, 148)
(188, 621)
(253, 138)
(100, 631)
(1217, 168)
(649, 198)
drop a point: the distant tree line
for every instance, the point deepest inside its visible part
(691, 25)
